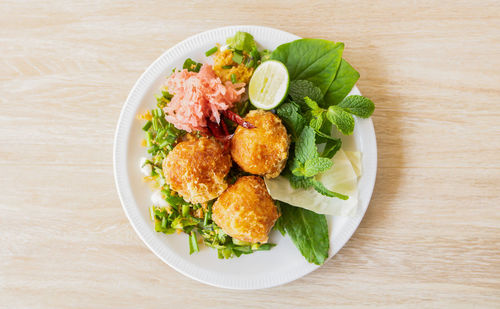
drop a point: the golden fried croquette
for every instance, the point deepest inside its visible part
(262, 150)
(196, 169)
(245, 210)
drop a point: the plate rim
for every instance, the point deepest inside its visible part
(121, 132)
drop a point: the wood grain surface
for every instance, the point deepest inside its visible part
(430, 238)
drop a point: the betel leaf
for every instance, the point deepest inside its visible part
(358, 105)
(308, 231)
(314, 60)
(345, 79)
(299, 89)
(293, 120)
(340, 118)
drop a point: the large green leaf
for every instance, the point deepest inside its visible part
(308, 231)
(314, 60)
(345, 79)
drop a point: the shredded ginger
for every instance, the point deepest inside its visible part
(198, 97)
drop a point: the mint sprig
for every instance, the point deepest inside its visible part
(340, 115)
(307, 163)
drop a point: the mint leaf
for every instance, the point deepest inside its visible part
(299, 89)
(331, 147)
(316, 166)
(340, 118)
(326, 129)
(299, 182)
(317, 121)
(358, 105)
(321, 189)
(293, 120)
(305, 147)
(311, 103)
(307, 230)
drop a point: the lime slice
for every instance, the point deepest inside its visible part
(268, 85)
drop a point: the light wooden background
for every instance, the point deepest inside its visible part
(430, 238)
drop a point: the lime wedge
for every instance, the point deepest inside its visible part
(269, 85)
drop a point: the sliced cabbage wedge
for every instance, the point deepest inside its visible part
(355, 158)
(341, 178)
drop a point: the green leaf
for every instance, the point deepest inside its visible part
(305, 147)
(293, 120)
(317, 121)
(331, 147)
(314, 60)
(317, 165)
(345, 79)
(358, 105)
(326, 129)
(242, 41)
(340, 118)
(308, 231)
(300, 182)
(321, 189)
(311, 103)
(299, 89)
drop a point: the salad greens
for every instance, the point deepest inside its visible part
(320, 80)
(308, 231)
(314, 60)
(342, 84)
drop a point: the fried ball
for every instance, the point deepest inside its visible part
(262, 150)
(196, 169)
(245, 210)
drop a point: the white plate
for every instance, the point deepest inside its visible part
(264, 269)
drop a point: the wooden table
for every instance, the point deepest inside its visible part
(430, 238)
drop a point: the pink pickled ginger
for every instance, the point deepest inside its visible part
(198, 97)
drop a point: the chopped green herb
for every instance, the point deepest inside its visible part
(226, 67)
(193, 243)
(211, 51)
(233, 78)
(147, 125)
(237, 57)
(191, 65)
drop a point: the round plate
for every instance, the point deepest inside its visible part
(263, 269)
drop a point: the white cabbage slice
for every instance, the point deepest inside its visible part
(355, 158)
(342, 178)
